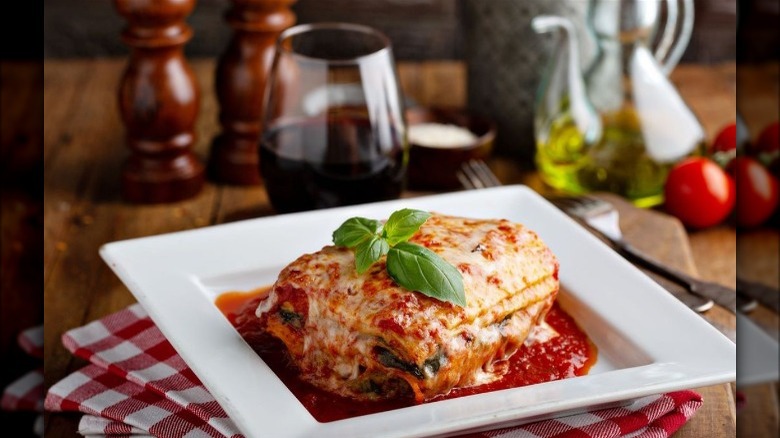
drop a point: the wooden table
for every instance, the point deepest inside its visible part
(21, 224)
(84, 151)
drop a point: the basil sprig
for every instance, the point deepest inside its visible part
(412, 266)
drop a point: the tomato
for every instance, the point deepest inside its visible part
(726, 140)
(767, 146)
(769, 139)
(724, 148)
(757, 192)
(699, 192)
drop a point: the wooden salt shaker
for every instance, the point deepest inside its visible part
(240, 84)
(158, 99)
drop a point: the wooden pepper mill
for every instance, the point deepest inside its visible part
(158, 99)
(240, 84)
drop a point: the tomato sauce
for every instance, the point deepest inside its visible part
(568, 355)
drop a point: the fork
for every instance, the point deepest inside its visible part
(602, 218)
(475, 174)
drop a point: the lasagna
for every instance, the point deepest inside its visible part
(364, 337)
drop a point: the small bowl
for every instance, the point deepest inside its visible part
(435, 168)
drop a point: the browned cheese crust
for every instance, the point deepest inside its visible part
(365, 337)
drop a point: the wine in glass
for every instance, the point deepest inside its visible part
(334, 131)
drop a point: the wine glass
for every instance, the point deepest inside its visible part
(333, 131)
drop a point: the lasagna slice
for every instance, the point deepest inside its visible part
(365, 337)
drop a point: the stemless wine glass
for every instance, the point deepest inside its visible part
(333, 130)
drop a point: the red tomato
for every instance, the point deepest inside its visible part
(769, 139)
(757, 192)
(726, 140)
(699, 193)
(767, 146)
(724, 148)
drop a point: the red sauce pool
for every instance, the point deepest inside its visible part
(568, 355)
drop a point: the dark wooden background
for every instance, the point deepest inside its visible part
(420, 29)
(21, 225)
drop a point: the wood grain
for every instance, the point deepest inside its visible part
(83, 154)
(21, 222)
(84, 211)
(422, 29)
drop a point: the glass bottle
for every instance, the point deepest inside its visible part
(621, 125)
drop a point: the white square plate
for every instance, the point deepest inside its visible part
(648, 342)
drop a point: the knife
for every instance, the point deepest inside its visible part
(722, 295)
(601, 218)
(762, 293)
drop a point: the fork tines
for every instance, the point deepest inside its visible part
(582, 206)
(475, 174)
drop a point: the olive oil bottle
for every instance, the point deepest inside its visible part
(617, 162)
(621, 125)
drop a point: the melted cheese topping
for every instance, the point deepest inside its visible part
(365, 337)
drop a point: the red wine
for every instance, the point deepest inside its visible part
(320, 163)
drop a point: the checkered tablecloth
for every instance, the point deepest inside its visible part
(138, 385)
(26, 392)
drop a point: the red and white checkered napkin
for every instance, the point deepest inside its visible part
(138, 385)
(136, 378)
(26, 392)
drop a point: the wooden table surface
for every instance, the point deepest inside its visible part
(84, 151)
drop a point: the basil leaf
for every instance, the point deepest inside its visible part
(354, 231)
(368, 252)
(402, 224)
(417, 268)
